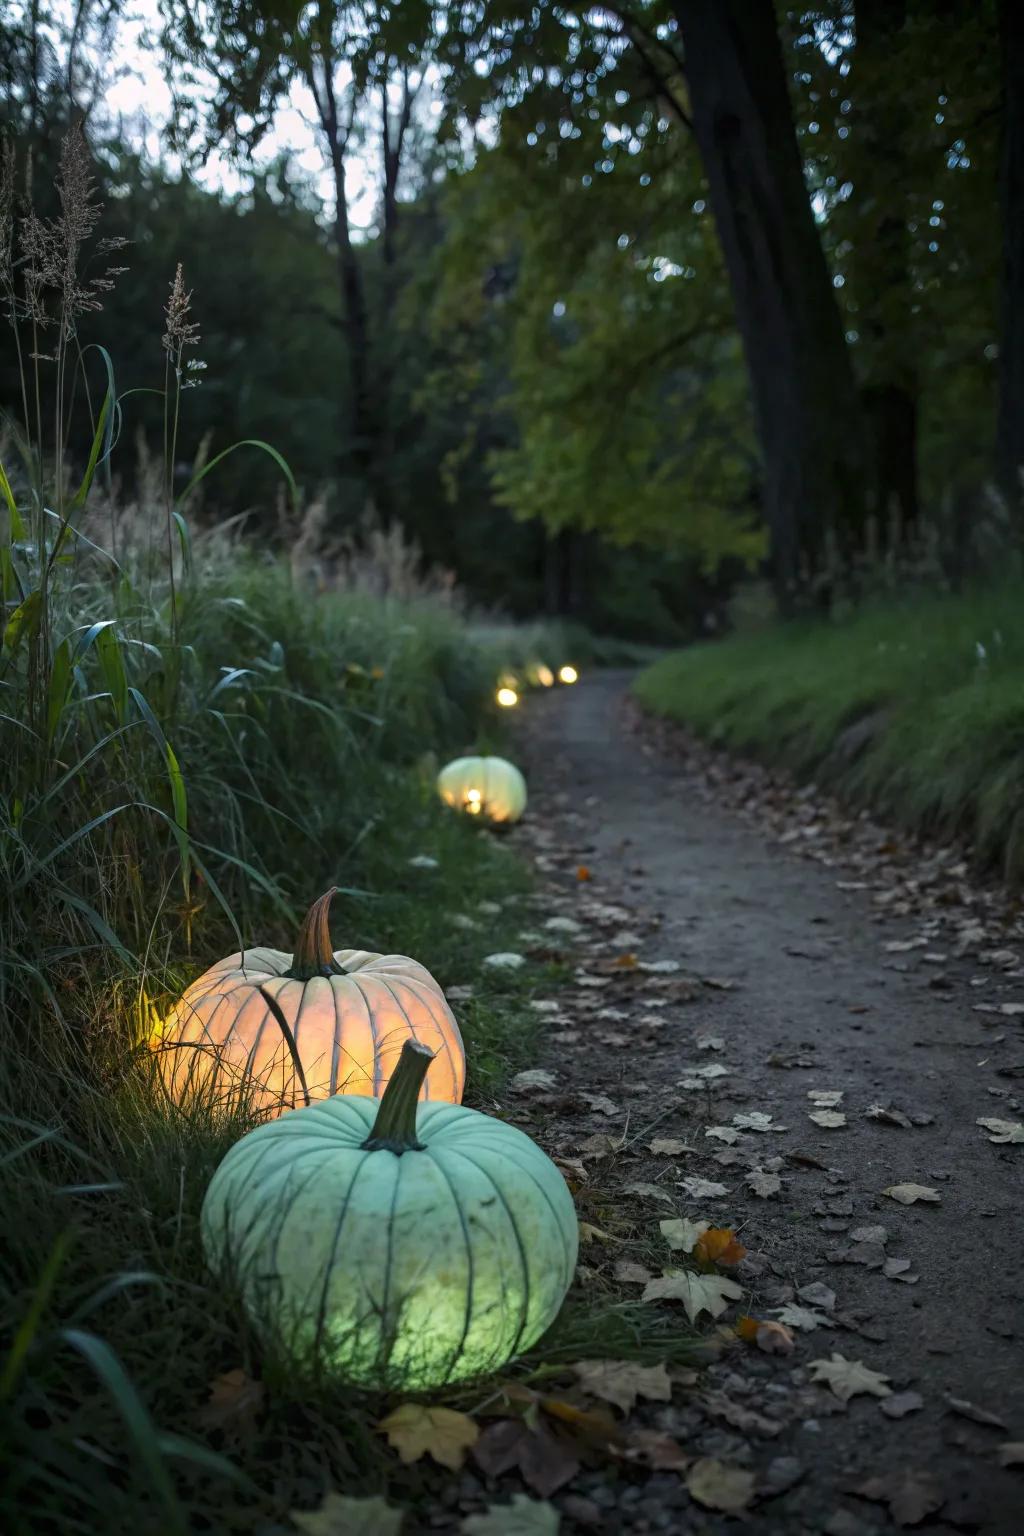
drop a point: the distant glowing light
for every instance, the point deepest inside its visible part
(568, 674)
(507, 697)
(545, 676)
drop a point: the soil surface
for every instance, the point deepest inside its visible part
(729, 919)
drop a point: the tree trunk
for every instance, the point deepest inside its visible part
(357, 455)
(1010, 424)
(805, 400)
(891, 392)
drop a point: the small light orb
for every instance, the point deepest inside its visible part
(568, 674)
(545, 676)
(507, 697)
(474, 802)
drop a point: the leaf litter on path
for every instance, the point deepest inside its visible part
(522, 1517)
(698, 1293)
(416, 1430)
(849, 1378)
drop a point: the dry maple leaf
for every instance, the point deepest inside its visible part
(910, 1495)
(622, 1381)
(627, 962)
(668, 1146)
(681, 1233)
(718, 1245)
(698, 1293)
(523, 1517)
(234, 1403)
(763, 1184)
(1004, 1132)
(825, 1098)
(545, 1461)
(849, 1378)
(805, 1318)
(582, 872)
(774, 1338)
(717, 1486)
(830, 1119)
(908, 1194)
(703, 1189)
(415, 1430)
(341, 1516)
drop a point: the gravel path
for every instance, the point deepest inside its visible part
(705, 859)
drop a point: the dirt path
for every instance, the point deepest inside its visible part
(818, 1004)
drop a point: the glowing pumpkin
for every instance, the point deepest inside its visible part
(281, 1030)
(391, 1245)
(488, 787)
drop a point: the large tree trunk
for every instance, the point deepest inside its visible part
(891, 390)
(805, 400)
(1010, 426)
(357, 455)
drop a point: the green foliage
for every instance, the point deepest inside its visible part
(936, 681)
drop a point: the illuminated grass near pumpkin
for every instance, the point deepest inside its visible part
(391, 1244)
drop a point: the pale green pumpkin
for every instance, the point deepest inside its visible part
(488, 787)
(393, 1245)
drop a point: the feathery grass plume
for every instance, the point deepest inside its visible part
(181, 332)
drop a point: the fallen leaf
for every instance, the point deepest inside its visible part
(698, 1293)
(660, 967)
(545, 1462)
(764, 1185)
(749, 1422)
(849, 1378)
(234, 1403)
(625, 962)
(719, 983)
(718, 1245)
(582, 872)
(668, 1146)
(504, 960)
(831, 1119)
(703, 1189)
(651, 1191)
(592, 1234)
(600, 1145)
(967, 1410)
(724, 1133)
(534, 1078)
(717, 1486)
(888, 1116)
(910, 1495)
(655, 1449)
(773, 1338)
(818, 1294)
(1010, 1453)
(900, 1404)
(682, 1234)
(908, 1194)
(1004, 1132)
(804, 1318)
(628, 1273)
(622, 1381)
(523, 1517)
(415, 1430)
(601, 1104)
(341, 1516)
(825, 1098)
(710, 1042)
(755, 1120)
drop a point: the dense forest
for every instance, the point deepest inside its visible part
(620, 331)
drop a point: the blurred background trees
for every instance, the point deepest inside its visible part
(650, 296)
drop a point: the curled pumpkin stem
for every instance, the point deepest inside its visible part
(314, 951)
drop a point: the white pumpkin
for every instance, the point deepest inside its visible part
(488, 787)
(390, 1244)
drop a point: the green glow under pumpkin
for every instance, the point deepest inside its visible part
(394, 1268)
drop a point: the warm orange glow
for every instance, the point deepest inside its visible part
(222, 1043)
(507, 697)
(545, 676)
(568, 674)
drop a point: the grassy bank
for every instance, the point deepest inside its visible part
(915, 708)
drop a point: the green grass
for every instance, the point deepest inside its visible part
(938, 683)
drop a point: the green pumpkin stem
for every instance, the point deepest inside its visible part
(394, 1129)
(314, 954)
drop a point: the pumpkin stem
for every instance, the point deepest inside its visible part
(394, 1129)
(314, 954)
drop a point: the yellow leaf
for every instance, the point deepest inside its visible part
(341, 1516)
(415, 1431)
(590, 1234)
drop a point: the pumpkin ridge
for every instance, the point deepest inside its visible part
(321, 1316)
(387, 1343)
(336, 1041)
(412, 982)
(357, 987)
(520, 1246)
(528, 1171)
(470, 1281)
(388, 987)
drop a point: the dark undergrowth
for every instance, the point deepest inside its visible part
(915, 708)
